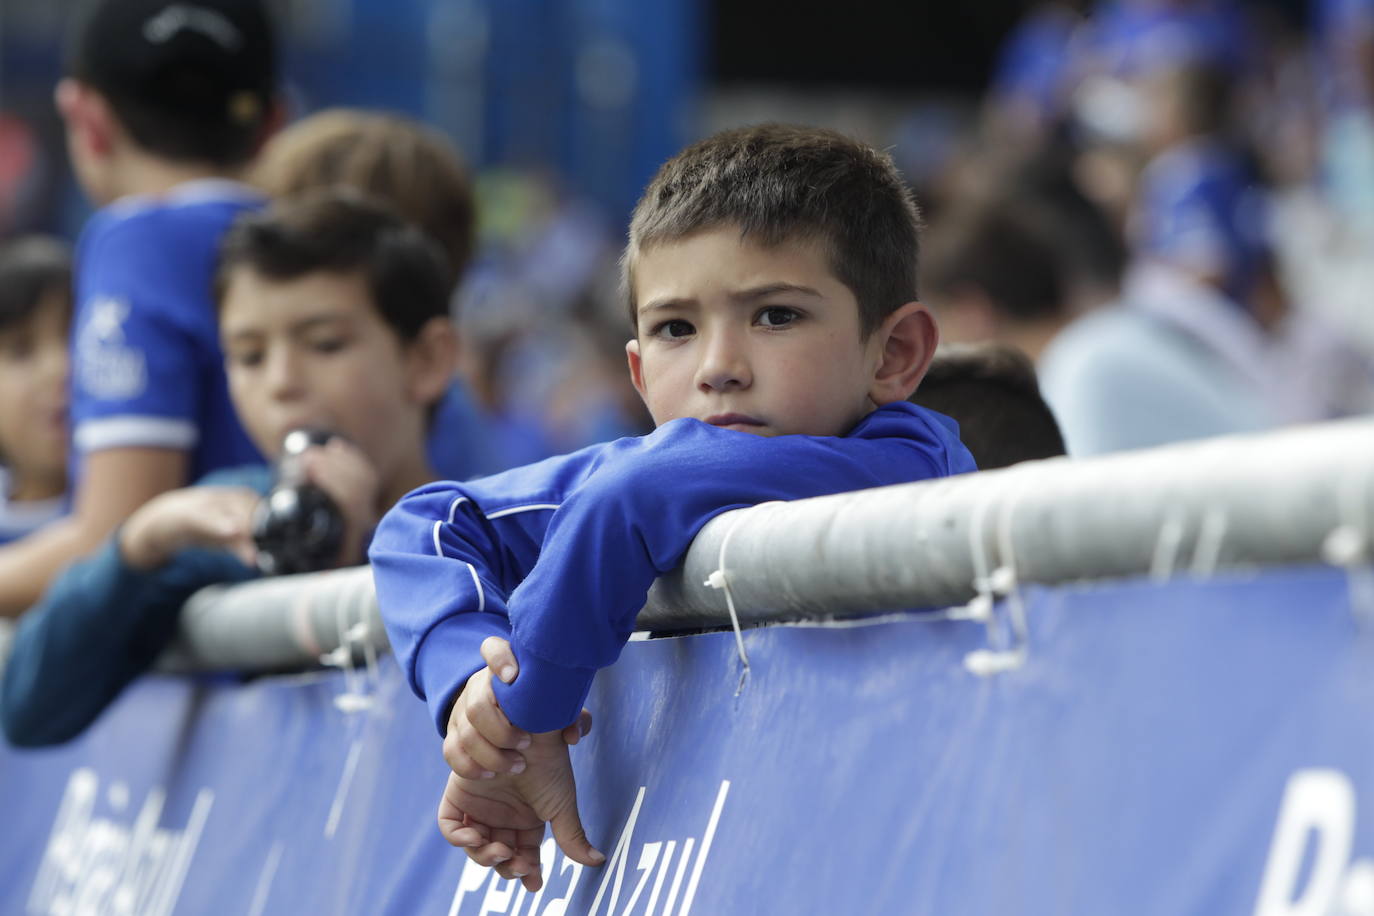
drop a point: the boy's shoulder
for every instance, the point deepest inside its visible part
(159, 249)
(186, 215)
(684, 454)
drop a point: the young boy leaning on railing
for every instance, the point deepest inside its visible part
(771, 283)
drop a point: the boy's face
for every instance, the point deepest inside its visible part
(313, 351)
(758, 339)
(33, 391)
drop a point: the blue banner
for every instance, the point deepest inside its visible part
(1192, 747)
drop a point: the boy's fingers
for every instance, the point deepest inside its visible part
(526, 865)
(463, 837)
(461, 762)
(572, 839)
(454, 823)
(486, 755)
(504, 839)
(492, 724)
(496, 652)
(579, 729)
(491, 855)
(529, 874)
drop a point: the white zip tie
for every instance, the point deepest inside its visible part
(1211, 533)
(1003, 581)
(353, 699)
(980, 609)
(720, 579)
(1168, 544)
(1348, 546)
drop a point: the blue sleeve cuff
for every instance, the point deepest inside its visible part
(546, 696)
(449, 655)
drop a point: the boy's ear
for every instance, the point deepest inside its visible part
(87, 115)
(636, 366)
(907, 341)
(431, 361)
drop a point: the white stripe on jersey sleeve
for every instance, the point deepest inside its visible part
(134, 432)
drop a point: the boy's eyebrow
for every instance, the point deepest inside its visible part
(298, 327)
(768, 289)
(669, 303)
(305, 324)
(244, 334)
(743, 295)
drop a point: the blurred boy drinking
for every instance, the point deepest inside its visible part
(335, 316)
(771, 280)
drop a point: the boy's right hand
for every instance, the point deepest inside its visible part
(500, 821)
(480, 741)
(344, 472)
(189, 517)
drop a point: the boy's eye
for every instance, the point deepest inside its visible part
(246, 358)
(777, 316)
(328, 344)
(674, 329)
(16, 347)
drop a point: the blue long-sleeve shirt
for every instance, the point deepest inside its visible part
(559, 556)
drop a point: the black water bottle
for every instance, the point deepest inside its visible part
(297, 527)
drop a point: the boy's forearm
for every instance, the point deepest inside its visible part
(100, 625)
(439, 593)
(114, 484)
(611, 539)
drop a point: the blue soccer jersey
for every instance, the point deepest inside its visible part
(147, 369)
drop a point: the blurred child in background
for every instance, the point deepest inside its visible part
(990, 390)
(162, 112)
(417, 171)
(334, 316)
(35, 317)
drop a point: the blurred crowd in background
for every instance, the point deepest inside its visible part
(1167, 204)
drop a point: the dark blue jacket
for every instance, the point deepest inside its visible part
(100, 625)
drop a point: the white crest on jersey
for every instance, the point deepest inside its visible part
(106, 367)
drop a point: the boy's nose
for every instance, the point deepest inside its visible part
(283, 375)
(54, 365)
(724, 364)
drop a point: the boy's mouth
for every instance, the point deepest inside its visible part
(733, 420)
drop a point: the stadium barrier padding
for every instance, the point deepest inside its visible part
(1197, 746)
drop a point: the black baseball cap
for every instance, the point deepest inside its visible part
(207, 61)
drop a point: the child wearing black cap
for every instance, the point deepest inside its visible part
(165, 104)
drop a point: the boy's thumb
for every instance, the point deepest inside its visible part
(497, 653)
(572, 839)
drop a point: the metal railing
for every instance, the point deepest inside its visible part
(1301, 495)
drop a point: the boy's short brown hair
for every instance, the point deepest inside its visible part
(31, 268)
(405, 164)
(780, 182)
(343, 232)
(991, 390)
